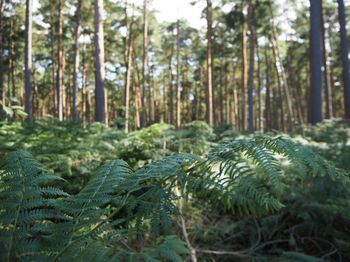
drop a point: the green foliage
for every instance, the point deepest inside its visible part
(27, 207)
(44, 223)
(264, 197)
(195, 137)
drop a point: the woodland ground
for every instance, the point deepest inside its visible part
(287, 197)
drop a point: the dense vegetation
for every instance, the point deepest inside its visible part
(226, 196)
(127, 138)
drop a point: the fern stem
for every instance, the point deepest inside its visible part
(183, 226)
(222, 252)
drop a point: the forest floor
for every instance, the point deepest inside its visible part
(312, 223)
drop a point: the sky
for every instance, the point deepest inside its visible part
(170, 10)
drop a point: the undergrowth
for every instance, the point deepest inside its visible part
(229, 198)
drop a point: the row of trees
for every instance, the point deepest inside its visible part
(239, 71)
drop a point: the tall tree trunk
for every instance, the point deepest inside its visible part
(164, 100)
(315, 63)
(226, 96)
(234, 113)
(345, 58)
(1, 52)
(260, 109)
(210, 94)
(221, 90)
(327, 83)
(268, 93)
(129, 69)
(28, 59)
(12, 59)
(59, 75)
(53, 55)
(171, 88)
(144, 63)
(84, 80)
(280, 106)
(151, 99)
(77, 34)
(243, 123)
(137, 81)
(251, 67)
(99, 64)
(178, 84)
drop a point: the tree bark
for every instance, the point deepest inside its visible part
(327, 83)
(59, 75)
(53, 55)
(251, 67)
(171, 88)
(315, 63)
(137, 81)
(77, 34)
(144, 63)
(243, 123)
(178, 84)
(260, 104)
(210, 94)
(268, 93)
(1, 53)
(100, 114)
(129, 70)
(345, 58)
(28, 59)
(12, 58)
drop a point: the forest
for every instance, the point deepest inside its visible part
(175, 130)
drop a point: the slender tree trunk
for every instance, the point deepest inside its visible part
(144, 63)
(12, 59)
(151, 99)
(99, 64)
(221, 90)
(129, 70)
(138, 89)
(234, 104)
(28, 59)
(77, 34)
(1, 52)
(210, 94)
(59, 75)
(251, 67)
(53, 55)
(244, 80)
(260, 109)
(327, 85)
(178, 84)
(226, 96)
(300, 104)
(164, 99)
(199, 95)
(83, 93)
(345, 59)
(171, 87)
(315, 63)
(268, 93)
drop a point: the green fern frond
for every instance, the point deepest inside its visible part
(27, 205)
(248, 175)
